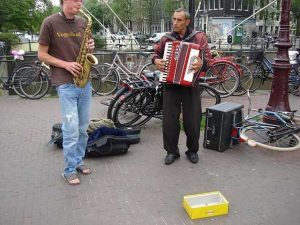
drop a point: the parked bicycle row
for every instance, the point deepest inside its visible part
(255, 69)
(229, 75)
(28, 80)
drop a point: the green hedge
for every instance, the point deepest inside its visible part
(99, 42)
(10, 39)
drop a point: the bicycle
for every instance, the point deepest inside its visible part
(140, 99)
(281, 135)
(35, 81)
(223, 75)
(261, 67)
(294, 78)
(111, 74)
(245, 75)
(11, 82)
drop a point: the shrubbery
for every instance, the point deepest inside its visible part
(99, 42)
(10, 39)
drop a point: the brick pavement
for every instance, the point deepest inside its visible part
(137, 188)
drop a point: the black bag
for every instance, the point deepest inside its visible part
(103, 140)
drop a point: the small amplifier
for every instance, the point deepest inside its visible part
(219, 122)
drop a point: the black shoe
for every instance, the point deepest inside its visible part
(192, 156)
(170, 158)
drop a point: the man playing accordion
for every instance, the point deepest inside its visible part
(176, 97)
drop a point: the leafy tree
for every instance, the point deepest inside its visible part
(123, 9)
(296, 14)
(23, 16)
(170, 6)
(99, 11)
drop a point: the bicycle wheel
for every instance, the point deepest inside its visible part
(257, 136)
(17, 74)
(95, 80)
(224, 77)
(135, 109)
(147, 68)
(109, 79)
(35, 83)
(258, 72)
(246, 81)
(209, 97)
(120, 93)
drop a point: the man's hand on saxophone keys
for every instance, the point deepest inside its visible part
(90, 45)
(73, 67)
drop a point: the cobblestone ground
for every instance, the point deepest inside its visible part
(262, 187)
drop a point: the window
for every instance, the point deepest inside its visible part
(245, 5)
(212, 4)
(238, 4)
(221, 5)
(232, 4)
(203, 5)
(216, 4)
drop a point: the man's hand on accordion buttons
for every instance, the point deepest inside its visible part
(196, 65)
(160, 64)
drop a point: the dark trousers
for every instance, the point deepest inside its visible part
(188, 100)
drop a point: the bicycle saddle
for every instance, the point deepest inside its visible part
(18, 54)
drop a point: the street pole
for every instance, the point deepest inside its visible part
(192, 12)
(279, 97)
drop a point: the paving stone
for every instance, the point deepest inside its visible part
(137, 188)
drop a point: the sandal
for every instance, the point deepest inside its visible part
(84, 169)
(70, 178)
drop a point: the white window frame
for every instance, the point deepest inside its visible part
(232, 1)
(241, 8)
(220, 4)
(216, 4)
(211, 7)
(246, 9)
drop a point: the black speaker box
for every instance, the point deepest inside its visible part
(218, 126)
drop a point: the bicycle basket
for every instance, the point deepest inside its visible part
(256, 55)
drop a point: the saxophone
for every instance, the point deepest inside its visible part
(85, 59)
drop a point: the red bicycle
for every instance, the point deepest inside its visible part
(227, 76)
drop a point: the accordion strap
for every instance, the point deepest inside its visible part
(187, 39)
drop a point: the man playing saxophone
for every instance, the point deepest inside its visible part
(60, 40)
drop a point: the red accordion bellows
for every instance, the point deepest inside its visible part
(179, 57)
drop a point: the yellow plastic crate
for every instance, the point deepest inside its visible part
(205, 205)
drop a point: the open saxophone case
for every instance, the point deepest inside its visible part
(104, 138)
(220, 119)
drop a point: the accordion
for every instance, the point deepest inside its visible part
(179, 57)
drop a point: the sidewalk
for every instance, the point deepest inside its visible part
(262, 186)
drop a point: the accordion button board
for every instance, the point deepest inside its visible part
(219, 122)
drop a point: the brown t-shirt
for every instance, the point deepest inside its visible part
(64, 39)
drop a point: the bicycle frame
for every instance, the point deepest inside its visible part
(267, 65)
(121, 69)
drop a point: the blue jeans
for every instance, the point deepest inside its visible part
(75, 103)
